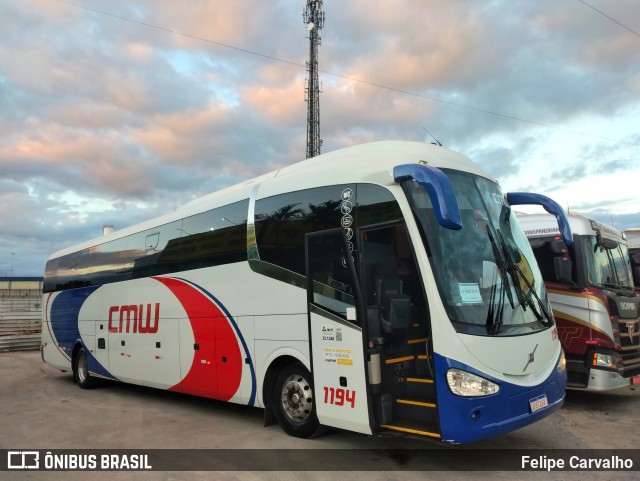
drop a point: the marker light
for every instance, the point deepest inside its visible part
(464, 383)
(604, 360)
(562, 363)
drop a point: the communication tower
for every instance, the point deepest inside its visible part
(313, 17)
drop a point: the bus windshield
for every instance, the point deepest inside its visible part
(607, 263)
(486, 272)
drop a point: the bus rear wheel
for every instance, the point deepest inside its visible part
(81, 371)
(293, 402)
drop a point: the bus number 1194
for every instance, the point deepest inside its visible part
(339, 396)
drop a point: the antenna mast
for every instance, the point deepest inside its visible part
(313, 17)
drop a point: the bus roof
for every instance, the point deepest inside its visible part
(363, 163)
(540, 225)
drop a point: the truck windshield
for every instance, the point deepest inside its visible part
(607, 263)
(486, 272)
(634, 257)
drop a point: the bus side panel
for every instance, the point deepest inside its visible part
(167, 333)
(256, 307)
(135, 339)
(87, 328)
(283, 328)
(178, 332)
(206, 345)
(102, 344)
(52, 353)
(158, 360)
(62, 311)
(278, 336)
(246, 393)
(152, 342)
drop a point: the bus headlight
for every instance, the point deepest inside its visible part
(464, 383)
(562, 363)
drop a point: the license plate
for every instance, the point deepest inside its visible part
(635, 379)
(538, 403)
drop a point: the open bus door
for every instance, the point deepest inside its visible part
(398, 329)
(337, 343)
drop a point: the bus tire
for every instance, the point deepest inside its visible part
(293, 402)
(81, 371)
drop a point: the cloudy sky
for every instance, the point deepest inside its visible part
(114, 112)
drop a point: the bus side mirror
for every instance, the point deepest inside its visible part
(439, 189)
(562, 269)
(551, 206)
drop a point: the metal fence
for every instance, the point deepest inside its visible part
(20, 319)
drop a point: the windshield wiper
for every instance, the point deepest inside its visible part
(619, 287)
(543, 307)
(512, 269)
(516, 272)
(495, 312)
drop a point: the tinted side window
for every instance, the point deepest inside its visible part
(148, 247)
(282, 221)
(105, 263)
(212, 238)
(376, 205)
(59, 273)
(216, 237)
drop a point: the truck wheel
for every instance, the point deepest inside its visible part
(81, 371)
(293, 402)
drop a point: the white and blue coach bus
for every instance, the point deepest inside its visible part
(385, 286)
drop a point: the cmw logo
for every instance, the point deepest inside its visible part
(23, 460)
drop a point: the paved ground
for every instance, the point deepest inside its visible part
(41, 408)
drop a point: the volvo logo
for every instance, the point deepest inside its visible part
(531, 358)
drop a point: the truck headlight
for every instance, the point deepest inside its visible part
(604, 360)
(465, 384)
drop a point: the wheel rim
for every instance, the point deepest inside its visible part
(83, 370)
(297, 398)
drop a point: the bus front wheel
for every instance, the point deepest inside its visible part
(81, 371)
(293, 402)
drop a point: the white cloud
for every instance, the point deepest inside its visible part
(110, 121)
